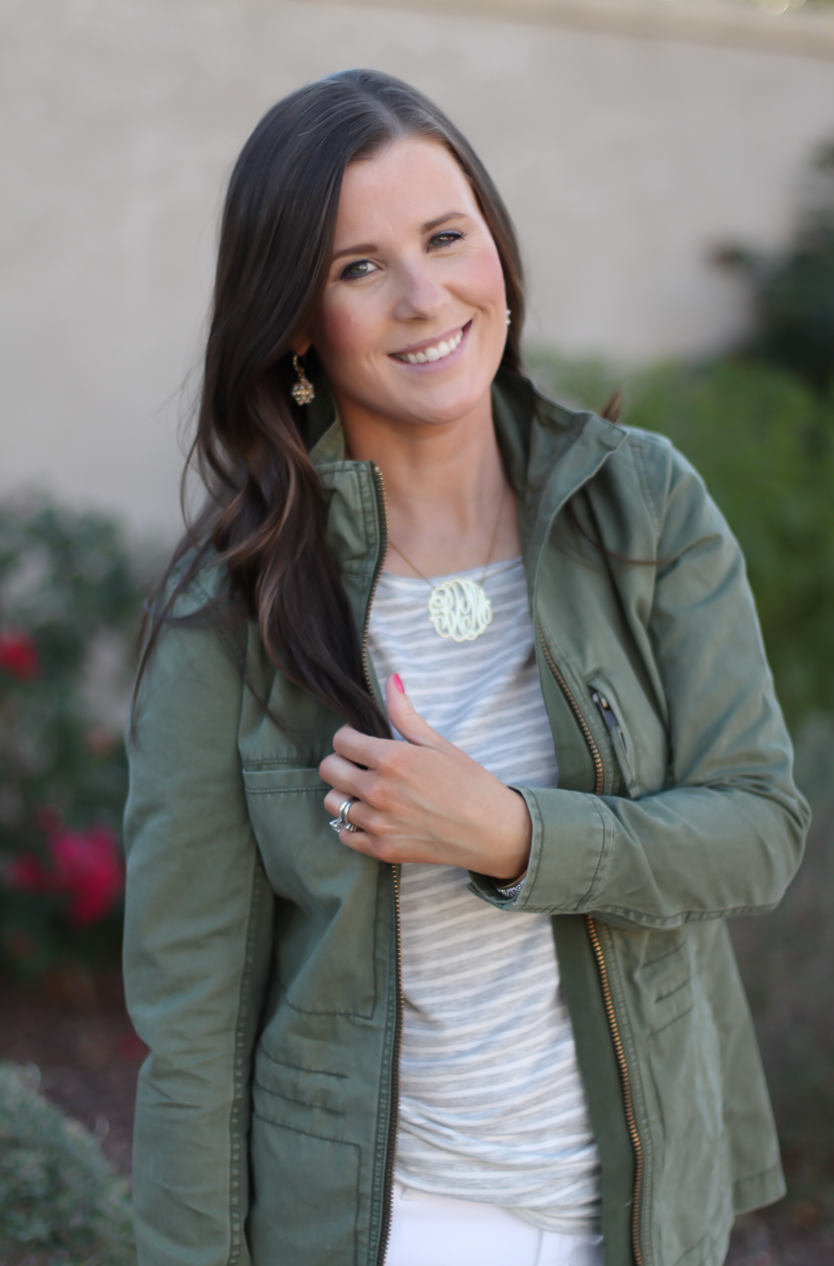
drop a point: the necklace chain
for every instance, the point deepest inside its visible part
(458, 608)
(489, 554)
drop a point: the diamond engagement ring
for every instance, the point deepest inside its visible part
(342, 822)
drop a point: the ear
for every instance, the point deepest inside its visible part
(301, 345)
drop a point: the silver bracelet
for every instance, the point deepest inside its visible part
(510, 890)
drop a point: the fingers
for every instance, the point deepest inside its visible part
(343, 774)
(359, 815)
(372, 753)
(404, 717)
(334, 800)
(362, 749)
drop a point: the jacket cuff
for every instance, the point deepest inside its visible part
(568, 854)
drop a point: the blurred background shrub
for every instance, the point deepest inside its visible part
(793, 293)
(60, 1202)
(70, 601)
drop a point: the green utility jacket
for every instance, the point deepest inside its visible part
(261, 955)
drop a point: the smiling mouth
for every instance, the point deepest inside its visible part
(437, 351)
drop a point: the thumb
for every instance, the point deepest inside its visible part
(405, 718)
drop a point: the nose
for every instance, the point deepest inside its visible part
(419, 297)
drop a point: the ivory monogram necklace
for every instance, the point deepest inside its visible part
(459, 608)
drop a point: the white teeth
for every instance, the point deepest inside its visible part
(440, 352)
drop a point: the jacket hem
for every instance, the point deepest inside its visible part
(758, 1190)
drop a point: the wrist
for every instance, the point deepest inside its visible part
(514, 862)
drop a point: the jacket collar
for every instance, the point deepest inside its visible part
(550, 452)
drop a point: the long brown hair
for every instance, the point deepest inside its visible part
(262, 518)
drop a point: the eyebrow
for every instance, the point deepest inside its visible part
(368, 248)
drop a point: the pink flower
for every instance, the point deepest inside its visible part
(86, 867)
(19, 655)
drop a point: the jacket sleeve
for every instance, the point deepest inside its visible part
(727, 835)
(196, 952)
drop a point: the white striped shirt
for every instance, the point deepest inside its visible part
(492, 1105)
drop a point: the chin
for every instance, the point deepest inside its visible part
(437, 414)
(442, 406)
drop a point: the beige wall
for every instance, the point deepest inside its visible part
(623, 160)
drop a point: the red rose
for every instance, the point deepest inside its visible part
(19, 655)
(88, 867)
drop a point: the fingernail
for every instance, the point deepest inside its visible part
(398, 683)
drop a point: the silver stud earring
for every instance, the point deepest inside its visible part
(303, 391)
(509, 316)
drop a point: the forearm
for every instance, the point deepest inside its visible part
(688, 853)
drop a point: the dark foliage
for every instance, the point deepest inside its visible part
(70, 602)
(793, 294)
(60, 1202)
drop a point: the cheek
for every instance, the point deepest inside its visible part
(484, 280)
(340, 332)
(347, 331)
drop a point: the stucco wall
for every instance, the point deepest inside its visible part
(623, 161)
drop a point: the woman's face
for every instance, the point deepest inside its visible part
(412, 325)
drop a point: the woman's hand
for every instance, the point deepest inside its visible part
(425, 800)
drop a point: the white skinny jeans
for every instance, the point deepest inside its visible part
(439, 1231)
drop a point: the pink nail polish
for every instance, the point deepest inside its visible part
(398, 683)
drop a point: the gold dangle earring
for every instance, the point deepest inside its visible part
(303, 391)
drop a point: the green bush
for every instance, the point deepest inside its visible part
(764, 443)
(60, 1202)
(70, 602)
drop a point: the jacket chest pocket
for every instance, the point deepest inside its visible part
(326, 930)
(621, 745)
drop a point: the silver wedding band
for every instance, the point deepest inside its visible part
(342, 822)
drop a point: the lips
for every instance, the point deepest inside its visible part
(428, 353)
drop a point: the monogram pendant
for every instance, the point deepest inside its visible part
(460, 609)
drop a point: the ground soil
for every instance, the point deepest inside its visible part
(76, 1030)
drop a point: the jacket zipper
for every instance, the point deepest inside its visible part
(628, 1102)
(599, 769)
(615, 731)
(605, 984)
(393, 1119)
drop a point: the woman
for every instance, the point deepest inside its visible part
(493, 1015)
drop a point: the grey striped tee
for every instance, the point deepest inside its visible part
(492, 1105)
